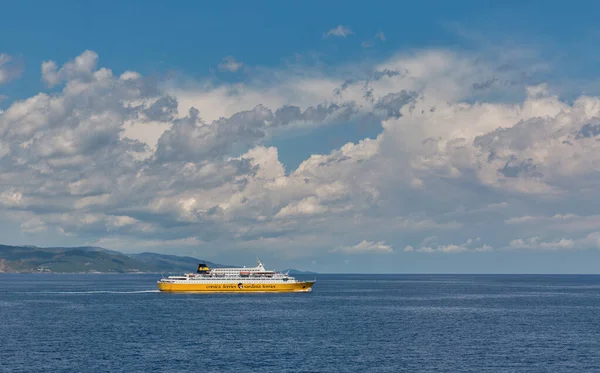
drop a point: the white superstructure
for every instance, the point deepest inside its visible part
(253, 275)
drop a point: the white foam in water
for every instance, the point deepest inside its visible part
(93, 292)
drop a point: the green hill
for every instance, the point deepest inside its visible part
(27, 259)
(174, 263)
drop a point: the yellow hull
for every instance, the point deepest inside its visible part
(235, 288)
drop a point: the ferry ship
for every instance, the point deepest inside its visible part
(256, 279)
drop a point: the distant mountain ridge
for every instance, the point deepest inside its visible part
(166, 262)
(298, 272)
(91, 259)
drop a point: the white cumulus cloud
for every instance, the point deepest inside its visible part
(429, 245)
(342, 31)
(365, 247)
(230, 64)
(9, 68)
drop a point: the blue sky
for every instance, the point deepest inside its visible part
(190, 38)
(338, 137)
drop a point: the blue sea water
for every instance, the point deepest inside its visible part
(349, 323)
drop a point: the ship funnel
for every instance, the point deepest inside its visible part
(203, 268)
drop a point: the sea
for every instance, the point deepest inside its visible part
(349, 323)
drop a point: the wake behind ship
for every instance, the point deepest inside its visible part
(234, 280)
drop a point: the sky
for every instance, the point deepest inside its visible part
(434, 137)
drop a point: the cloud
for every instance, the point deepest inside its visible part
(365, 247)
(551, 230)
(230, 64)
(82, 68)
(546, 219)
(307, 206)
(590, 241)
(136, 160)
(379, 36)
(340, 30)
(9, 69)
(428, 245)
(191, 138)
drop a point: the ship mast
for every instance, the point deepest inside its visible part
(259, 264)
